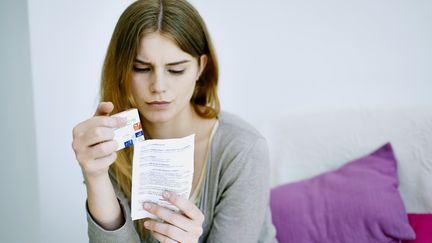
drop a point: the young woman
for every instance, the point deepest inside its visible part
(161, 61)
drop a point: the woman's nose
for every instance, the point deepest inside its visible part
(158, 84)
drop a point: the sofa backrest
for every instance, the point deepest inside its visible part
(304, 144)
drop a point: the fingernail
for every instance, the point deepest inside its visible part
(146, 224)
(147, 206)
(167, 195)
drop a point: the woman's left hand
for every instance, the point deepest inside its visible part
(186, 227)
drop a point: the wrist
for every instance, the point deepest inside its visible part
(95, 178)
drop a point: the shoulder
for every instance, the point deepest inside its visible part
(238, 141)
(240, 156)
(233, 127)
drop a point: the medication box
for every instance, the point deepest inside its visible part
(132, 132)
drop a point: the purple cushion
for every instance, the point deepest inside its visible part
(358, 202)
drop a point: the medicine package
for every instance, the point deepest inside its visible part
(132, 132)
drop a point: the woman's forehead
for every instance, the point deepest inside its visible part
(156, 48)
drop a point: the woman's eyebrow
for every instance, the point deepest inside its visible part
(168, 64)
(177, 63)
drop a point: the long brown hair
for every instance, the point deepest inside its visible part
(174, 19)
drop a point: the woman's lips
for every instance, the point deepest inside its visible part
(159, 104)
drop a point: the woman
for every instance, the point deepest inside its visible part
(161, 61)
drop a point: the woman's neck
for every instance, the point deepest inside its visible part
(180, 126)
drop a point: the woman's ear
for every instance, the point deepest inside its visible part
(202, 64)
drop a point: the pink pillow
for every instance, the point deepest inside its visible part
(357, 203)
(422, 225)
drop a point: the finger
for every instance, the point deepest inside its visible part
(102, 149)
(188, 208)
(173, 218)
(92, 137)
(104, 108)
(162, 238)
(97, 135)
(167, 230)
(99, 121)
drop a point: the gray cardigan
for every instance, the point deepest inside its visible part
(234, 196)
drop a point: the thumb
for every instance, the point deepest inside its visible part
(104, 109)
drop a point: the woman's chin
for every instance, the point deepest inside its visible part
(161, 116)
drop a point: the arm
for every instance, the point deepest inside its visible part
(94, 149)
(124, 233)
(243, 196)
(102, 202)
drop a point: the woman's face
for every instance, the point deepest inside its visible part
(163, 79)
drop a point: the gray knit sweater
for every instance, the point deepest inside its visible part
(234, 196)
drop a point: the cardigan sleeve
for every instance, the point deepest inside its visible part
(126, 233)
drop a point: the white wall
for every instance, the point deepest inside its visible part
(321, 54)
(274, 56)
(68, 42)
(19, 204)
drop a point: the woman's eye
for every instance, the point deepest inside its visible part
(141, 70)
(176, 72)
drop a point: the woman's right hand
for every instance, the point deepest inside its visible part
(93, 141)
